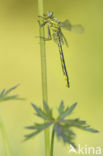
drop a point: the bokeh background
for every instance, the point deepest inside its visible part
(20, 63)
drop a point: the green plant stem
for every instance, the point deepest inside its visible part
(3, 133)
(52, 143)
(43, 73)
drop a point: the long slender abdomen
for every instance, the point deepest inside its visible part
(65, 73)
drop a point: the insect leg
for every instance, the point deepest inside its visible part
(43, 24)
(40, 16)
(65, 40)
(49, 35)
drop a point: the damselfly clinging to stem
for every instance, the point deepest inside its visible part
(54, 27)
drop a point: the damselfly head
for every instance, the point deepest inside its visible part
(50, 13)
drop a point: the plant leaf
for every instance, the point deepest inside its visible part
(66, 136)
(11, 89)
(14, 97)
(81, 124)
(40, 112)
(73, 122)
(38, 128)
(28, 136)
(67, 111)
(4, 95)
(61, 107)
(87, 128)
(48, 111)
(2, 92)
(61, 126)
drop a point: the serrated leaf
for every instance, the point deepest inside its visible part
(48, 111)
(81, 124)
(28, 136)
(61, 107)
(87, 128)
(2, 93)
(14, 97)
(67, 111)
(62, 127)
(65, 135)
(31, 127)
(40, 112)
(11, 89)
(46, 107)
(39, 125)
(38, 128)
(73, 122)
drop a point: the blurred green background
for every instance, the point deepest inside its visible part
(20, 63)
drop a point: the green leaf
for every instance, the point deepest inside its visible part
(61, 126)
(2, 92)
(14, 97)
(81, 124)
(66, 136)
(61, 107)
(28, 136)
(67, 111)
(4, 95)
(11, 89)
(48, 111)
(46, 107)
(38, 128)
(40, 112)
(73, 122)
(31, 127)
(87, 128)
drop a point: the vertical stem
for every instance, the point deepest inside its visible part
(44, 74)
(3, 133)
(52, 143)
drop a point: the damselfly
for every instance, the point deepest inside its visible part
(54, 27)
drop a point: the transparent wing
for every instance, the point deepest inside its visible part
(74, 28)
(62, 38)
(77, 28)
(66, 25)
(55, 38)
(65, 40)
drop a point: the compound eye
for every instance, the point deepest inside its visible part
(50, 13)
